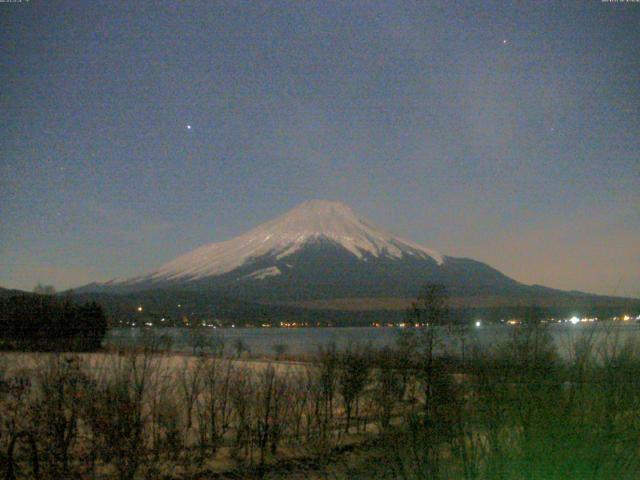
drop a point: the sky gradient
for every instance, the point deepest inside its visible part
(508, 132)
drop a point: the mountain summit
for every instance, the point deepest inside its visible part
(310, 222)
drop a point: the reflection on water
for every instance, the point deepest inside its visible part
(298, 341)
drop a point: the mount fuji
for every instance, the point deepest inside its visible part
(321, 254)
(319, 249)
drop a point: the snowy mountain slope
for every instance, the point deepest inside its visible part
(287, 234)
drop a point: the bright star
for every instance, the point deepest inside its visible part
(504, 42)
(188, 127)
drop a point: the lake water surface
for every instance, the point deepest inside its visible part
(263, 341)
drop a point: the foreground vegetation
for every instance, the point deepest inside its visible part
(516, 412)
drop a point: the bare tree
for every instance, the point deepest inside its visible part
(388, 387)
(300, 392)
(431, 312)
(169, 431)
(269, 418)
(242, 391)
(353, 373)
(328, 366)
(215, 407)
(57, 410)
(118, 417)
(190, 386)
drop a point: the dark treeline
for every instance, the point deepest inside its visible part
(177, 306)
(47, 322)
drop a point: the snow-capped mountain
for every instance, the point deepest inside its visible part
(312, 221)
(319, 249)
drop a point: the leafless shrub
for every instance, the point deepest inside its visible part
(60, 386)
(242, 389)
(214, 409)
(327, 380)
(388, 387)
(354, 365)
(190, 383)
(170, 434)
(270, 421)
(300, 393)
(118, 416)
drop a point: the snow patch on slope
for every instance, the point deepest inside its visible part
(263, 273)
(288, 233)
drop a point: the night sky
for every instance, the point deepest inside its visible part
(508, 132)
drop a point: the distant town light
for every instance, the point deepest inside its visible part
(140, 308)
(478, 323)
(574, 320)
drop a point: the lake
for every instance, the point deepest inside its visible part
(262, 341)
